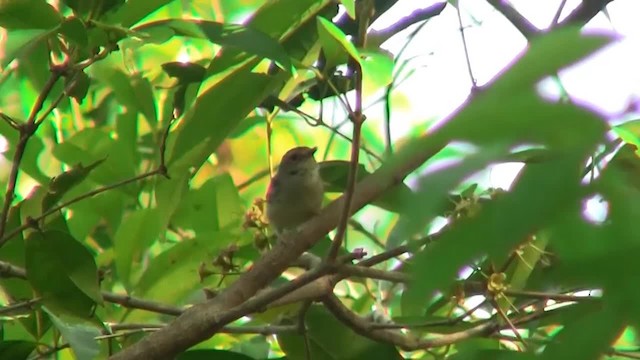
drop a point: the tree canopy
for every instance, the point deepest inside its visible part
(141, 136)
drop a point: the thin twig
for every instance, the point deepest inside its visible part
(474, 84)
(335, 90)
(314, 121)
(627, 354)
(136, 303)
(16, 307)
(556, 17)
(256, 177)
(75, 200)
(29, 128)
(302, 328)
(26, 131)
(445, 322)
(377, 37)
(393, 84)
(242, 329)
(101, 55)
(51, 351)
(549, 296)
(10, 121)
(357, 226)
(10, 270)
(162, 167)
(365, 13)
(505, 318)
(404, 341)
(161, 170)
(397, 251)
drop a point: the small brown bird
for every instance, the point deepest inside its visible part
(296, 191)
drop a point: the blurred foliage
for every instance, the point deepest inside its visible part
(140, 133)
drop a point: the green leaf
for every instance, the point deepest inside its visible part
(543, 191)
(280, 19)
(13, 252)
(20, 43)
(587, 337)
(525, 119)
(96, 143)
(257, 347)
(77, 85)
(169, 194)
(377, 69)
(432, 196)
(63, 272)
(79, 7)
(629, 132)
(216, 112)
(135, 10)
(79, 333)
(103, 209)
(16, 349)
(145, 99)
(546, 55)
(84, 7)
(247, 124)
(64, 182)
(214, 206)
(174, 273)
(337, 48)
(229, 35)
(206, 354)
(330, 339)
(335, 173)
(185, 72)
(73, 29)
(136, 233)
(350, 7)
(132, 91)
(28, 14)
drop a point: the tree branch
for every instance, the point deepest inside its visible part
(160, 170)
(579, 16)
(243, 329)
(80, 197)
(29, 128)
(526, 28)
(26, 132)
(9, 270)
(204, 320)
(586, 11)
(397, 338)
(136, 303)
(376, 37)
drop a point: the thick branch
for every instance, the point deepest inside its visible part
(521, 23)
(578, 17)
(202, 321)
(586, 11)
(377, 37)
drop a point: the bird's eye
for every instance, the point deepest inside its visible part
(295, 157)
